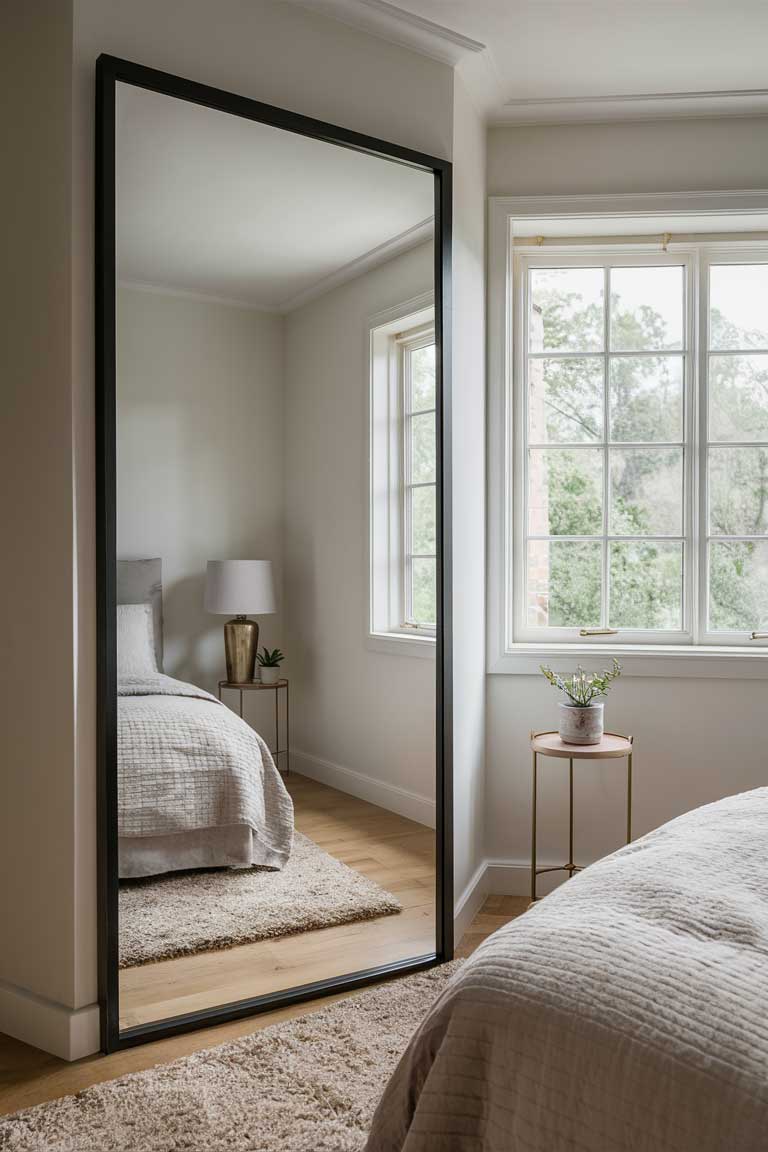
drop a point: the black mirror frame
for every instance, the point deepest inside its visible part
(110, 70)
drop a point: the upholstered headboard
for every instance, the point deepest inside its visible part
(141, 582)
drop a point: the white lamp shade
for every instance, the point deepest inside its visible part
(238, 587)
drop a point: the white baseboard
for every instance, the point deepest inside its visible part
(470, 902)
(412, 805)
(499, 878)
(65, 1032)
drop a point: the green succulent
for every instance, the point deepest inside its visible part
(271, 659)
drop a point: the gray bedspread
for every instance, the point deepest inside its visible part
(186, 762)
(627, 1011)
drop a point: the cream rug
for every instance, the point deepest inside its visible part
(187, 912)
(309, 1085)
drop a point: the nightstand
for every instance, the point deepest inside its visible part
(257, 686)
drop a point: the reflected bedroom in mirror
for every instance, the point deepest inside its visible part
(276, 559)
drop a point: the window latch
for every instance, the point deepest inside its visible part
(758, 636)
(600, 632)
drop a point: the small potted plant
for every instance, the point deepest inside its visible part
(581, 714)
(269, 664)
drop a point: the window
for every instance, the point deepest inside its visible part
(640, 430)
(403, 452)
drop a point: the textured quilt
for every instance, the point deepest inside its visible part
(628, 1010)
(185, 761)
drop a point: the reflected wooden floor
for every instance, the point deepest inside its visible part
(395, 852)
(29, 1076)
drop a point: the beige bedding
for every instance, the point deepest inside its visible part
(627, 1011)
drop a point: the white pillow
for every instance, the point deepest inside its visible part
(135, 640)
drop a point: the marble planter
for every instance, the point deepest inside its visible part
(581, 725)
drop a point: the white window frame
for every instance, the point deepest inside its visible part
(694, 652)
(416, 337)
(605, 258)
(388, 335)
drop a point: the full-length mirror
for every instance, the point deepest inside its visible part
(272, 370)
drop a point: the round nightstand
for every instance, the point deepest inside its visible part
(257, 686)
(611, 747)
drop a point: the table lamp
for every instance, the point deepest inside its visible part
(236, 588)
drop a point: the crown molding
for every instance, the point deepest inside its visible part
(733, 201)
(633, 106)
(390, 22)
(411, 238)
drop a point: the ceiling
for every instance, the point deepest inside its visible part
(555, 61)
(215, 205)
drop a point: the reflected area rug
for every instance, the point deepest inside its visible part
(187, 912)
(308, 1085)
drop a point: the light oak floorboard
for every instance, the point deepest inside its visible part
(396, 853)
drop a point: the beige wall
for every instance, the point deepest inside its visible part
(356, 709)
(38, 897)
(200, 457)
(696, 739)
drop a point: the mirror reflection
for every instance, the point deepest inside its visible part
(276, 537)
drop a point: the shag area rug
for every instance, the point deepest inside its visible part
(309, 1085)
(187, 912)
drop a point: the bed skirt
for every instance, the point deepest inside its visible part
(234, 847)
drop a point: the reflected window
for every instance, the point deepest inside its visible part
(403, 494)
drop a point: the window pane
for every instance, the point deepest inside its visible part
(646, 585)
(566, 310)
(738, 491)
(423, 592)
(564, 583)
(738, 586)
(646, 398)
(422, 378)
(423, 448)
(565, 492)
(738, 397)
(423, 535)
(646, 491)
(565, 400)
(646, 309)
(738, 313)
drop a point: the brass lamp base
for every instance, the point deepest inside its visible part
(241, 643)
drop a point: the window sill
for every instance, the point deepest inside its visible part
(707, 662)
(399, 644)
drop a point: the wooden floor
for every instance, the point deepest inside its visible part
(29, 1076)
(397, 853)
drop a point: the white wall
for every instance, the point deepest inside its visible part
(695, 740)
(468, 496)
(354, 709)
(200, 457)
(654, 156)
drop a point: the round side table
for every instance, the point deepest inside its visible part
(611, 747)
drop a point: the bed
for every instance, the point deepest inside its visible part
(627, 1010)
(197, 787)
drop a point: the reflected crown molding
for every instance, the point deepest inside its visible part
(411, 238)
